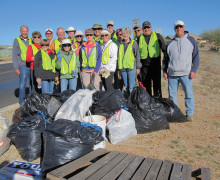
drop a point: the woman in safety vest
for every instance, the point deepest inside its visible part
(128, 59)
(31, 52)
(44, 67)
(109, 60)
(68, 63)
(79, 40)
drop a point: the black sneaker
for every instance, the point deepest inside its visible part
(189, 118)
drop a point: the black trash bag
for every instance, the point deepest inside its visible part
(171, 110)
(26, 136)
(146, 112)
(35, 102)
(106, 103)
(62, 97)
(53, 106)
(66, 140)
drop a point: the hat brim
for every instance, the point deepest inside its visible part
(70, 31)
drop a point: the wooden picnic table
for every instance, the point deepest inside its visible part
(108, 165)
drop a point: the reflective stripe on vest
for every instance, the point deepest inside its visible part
(34, 49)
(57, 45)
(126, 59)
(47, 63)
(92, 58)
(105, 55)
(68, 68)
(76, 46)
(23, 47)
(153, 47)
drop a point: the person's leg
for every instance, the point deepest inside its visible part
(146, 78)
(45, 87)
(173, 83)
(156, 77)
(64, 84)
(125, 78)
(189, 98)
(23, 80)
(32, 81)
(131, 79)
(86, 78)
(97, 81)
(108, 82)
(72, 83)
(51, 87)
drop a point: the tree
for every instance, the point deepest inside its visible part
(213, 35)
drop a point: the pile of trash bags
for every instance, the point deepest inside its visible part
(53, 126)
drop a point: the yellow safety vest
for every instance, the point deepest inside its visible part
(105, 55)
(114, 38)
(92, 58)
(47, 63)
(34, 49)
(68, 68)
(126, 59)
(153, 47)
(23, 47)
(57, 44)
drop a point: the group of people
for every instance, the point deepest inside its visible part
(106, 55)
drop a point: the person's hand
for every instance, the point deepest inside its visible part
(118, 73)
(137, 71)
(56, 78)
(95, 73)
(165, 76)
(192, 75)
(38, 80)
(17, 72)
(32, 58)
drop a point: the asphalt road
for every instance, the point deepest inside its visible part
(9, 84)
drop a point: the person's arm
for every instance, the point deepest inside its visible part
(162, 43)
(113, 53)
(16, 56)
(137, 56)
(165, 64)
(99, 58)
(58, 61)
(30, 56)
(37, 64)
(195, 56)
(52, 47)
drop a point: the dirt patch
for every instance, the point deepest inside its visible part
(196, 143)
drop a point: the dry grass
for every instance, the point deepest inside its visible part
(196, 143)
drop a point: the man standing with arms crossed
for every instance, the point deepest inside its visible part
(182, 61)
(19, 61)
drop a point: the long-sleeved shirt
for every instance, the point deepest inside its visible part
(113, 54)
(30, 55)
(17, 62)
(182, 56)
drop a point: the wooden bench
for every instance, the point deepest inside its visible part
(107, 165)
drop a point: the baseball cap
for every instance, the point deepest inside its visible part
(146, 24)
(48, 29)
(110, 22)
(66, 41)
(178, 23)
(105, 31)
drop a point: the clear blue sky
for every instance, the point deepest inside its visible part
(198, 15)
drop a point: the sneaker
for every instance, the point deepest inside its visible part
(189, 117)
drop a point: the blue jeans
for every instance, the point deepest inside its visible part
(129, 76)
(72, 84)
(186, 82)
(47, 86)
(24, 78)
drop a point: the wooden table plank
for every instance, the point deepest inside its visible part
(154, 170)
(186, 172)
(119, 168)
(95, 166)
(176, 171)
(165, 170)
(73, 165)
(143, 170)
(206, 174)
(108, 167)
(130, 170)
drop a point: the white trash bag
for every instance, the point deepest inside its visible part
(121, 126)
(76, 106)
(4, 140)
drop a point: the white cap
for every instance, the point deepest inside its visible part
(70, 29)
(66, 41)
(110, 22)
(48, 29)
(105, 31)
(178, 23)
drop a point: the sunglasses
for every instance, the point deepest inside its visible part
(146, 27)
(66, 45)
(179, 26)
(44, 45)
(89, 34)
(110, 25)
(79, 36)
(138, 30)
(37, 37)
(97, 29)
(49, 33)
(105, 35)
(119, 34)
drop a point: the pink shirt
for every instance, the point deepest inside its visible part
(88, 47)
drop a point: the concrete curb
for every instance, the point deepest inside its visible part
(9, 107)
